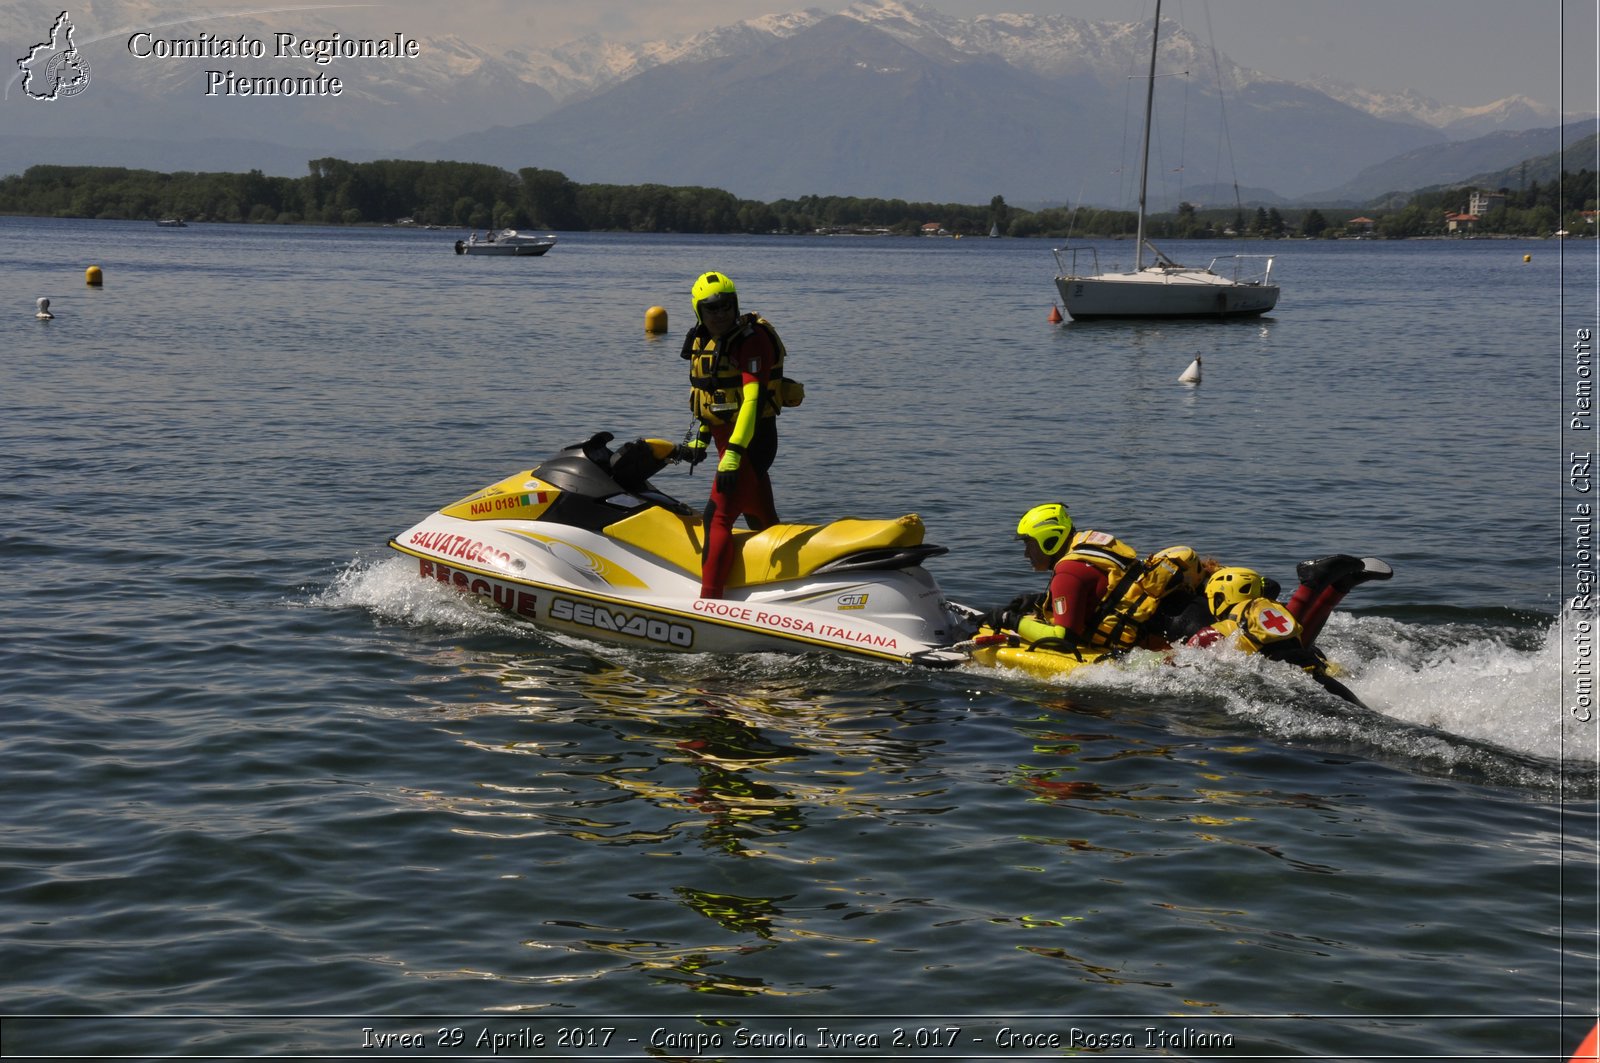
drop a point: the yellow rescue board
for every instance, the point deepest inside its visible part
(1040, 662)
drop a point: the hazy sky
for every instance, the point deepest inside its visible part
(1457, 51)
(1464, 52)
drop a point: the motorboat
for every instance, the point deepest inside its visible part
(506, 242)
(172, 223)
(1232, 286)
(584, 543)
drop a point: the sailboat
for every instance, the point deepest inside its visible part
(1231, 286)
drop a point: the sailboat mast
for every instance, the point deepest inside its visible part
(1144, 156)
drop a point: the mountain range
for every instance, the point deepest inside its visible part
(886, 99)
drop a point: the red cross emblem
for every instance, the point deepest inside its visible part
(1273, 620)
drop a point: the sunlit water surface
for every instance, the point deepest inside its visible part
(255, 768)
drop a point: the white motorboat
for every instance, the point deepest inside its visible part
(1231, 286)
(583, 543)
(506, 242)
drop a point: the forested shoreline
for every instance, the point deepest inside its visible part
(461, 195)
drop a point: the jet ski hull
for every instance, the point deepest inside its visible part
(563, 547)
(798, 616)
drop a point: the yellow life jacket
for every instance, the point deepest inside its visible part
(1175, 568)
(716, 379)
(1105, 552)
(1119, 618)
(1258, 623)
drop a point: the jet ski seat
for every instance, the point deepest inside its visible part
(783, 551)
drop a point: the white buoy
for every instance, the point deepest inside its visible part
(1191, 375)
(44, 313)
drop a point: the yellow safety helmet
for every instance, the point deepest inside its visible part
(1228, 587)
(1048, 525)
(713, 289)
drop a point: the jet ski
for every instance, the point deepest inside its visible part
(584, 543)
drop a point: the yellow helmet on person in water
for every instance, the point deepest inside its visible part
(713, 289)
(1227, 587)
(1048, 525)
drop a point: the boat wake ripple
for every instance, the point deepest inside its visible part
(1472, 696)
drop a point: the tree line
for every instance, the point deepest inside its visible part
(467, 195)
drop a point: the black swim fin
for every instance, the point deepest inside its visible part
(1342, 572)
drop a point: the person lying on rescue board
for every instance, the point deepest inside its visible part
(1103, 596)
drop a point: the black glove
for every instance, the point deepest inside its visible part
(1020, 606)
(727, 480)
(692, 453)
(1008, 616)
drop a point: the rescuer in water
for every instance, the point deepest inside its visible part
(1102, 596)
(1090, 571)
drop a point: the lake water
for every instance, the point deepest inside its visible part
(267, 794)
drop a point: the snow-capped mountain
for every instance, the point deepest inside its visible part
(1458, 122)
(887, 98)
(1051, 46)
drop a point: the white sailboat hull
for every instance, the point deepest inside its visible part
(1164, 289)
(1160, 291)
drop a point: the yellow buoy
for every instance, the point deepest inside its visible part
(655, 319)
(92, 277)
(1527, 258)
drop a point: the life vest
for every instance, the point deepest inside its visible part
(1118, 619)
(1173, 569)
(1257, 623)
(716, 379)
(1105, 552)
(1168, 579)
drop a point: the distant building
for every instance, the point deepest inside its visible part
(1360, 225)
(932, 228)
(1482, 203)
(1460, 222)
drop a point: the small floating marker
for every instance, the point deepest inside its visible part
(655, 319)
(1587, 1050)
(1191, 375)
(1527, 258)
(1055, 314)
(93, 277)
(44, 313)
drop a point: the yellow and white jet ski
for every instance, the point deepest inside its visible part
(583, 543)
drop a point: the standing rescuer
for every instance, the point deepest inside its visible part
(737, 388)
